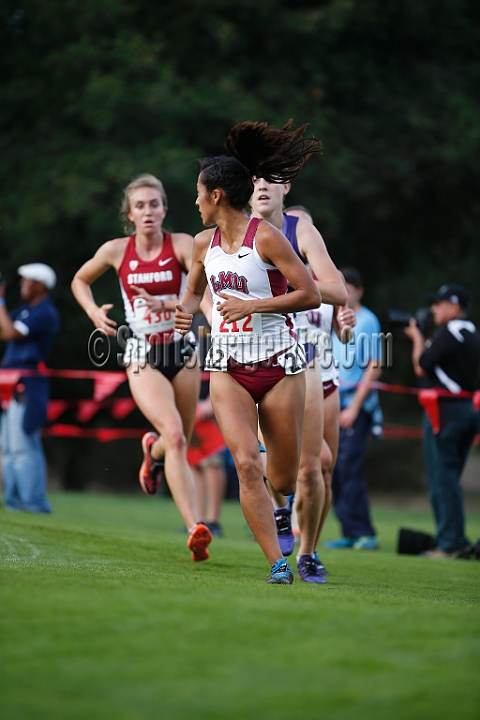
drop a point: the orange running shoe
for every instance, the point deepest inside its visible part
(198, 542)
(151, 471)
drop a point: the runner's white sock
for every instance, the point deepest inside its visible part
(280, 507)
(312, 555)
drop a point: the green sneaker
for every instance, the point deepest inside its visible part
(369, 542)
(341, 543)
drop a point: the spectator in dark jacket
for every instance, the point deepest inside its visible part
(29, 331)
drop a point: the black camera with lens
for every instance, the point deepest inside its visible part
(423, 317)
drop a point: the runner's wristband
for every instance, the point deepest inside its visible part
(2, 301)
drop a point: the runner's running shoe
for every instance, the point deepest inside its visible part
(151, 471)
(198, 542)
(283, 520)
(309, 570)
(280, 574)
(320, 564)
(215, 528)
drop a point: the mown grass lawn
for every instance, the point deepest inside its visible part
(103, 615)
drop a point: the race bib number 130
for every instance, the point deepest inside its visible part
(148, 321)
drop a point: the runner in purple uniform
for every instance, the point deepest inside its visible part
(267, 202)
(324, 320)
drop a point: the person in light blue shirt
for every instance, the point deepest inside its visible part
(29, 332)
(359, 363)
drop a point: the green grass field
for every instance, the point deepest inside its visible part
(103, 615)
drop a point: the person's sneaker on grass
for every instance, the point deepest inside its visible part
(369, 542)
(283, 520)
(321, 566)
(280, 574)
(464, 553)
(215, 528)
(199, 539)
(340, 544)
(309, 570)
(151, 471)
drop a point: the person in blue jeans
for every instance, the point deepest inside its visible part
(449, 362)
(360, 414)
(29, 331)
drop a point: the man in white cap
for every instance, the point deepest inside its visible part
(29, 332)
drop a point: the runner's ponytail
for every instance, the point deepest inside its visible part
(276, 155)
(257, 150)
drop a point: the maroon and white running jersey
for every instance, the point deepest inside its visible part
(319, 333)
(321, 319)
(245, 275)
(162, 277)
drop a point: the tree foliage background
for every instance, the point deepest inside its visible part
(94, 93)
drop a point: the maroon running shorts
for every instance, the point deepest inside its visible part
(329, 388)
(257, 378)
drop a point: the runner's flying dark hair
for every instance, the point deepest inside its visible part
(257, 150)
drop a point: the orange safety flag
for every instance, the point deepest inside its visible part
(207, 440)
(121, 407)
(55, 409)
(106, 383)
(8, 382)
(428, 399)
(86, 410)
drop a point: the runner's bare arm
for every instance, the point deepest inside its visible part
(110, 254)
(206, 305)
(275, 249)
(185, 253)
(313, 249)
(196, 284)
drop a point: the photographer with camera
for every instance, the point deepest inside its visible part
(423, 319)
(449, 362)
(29, 332)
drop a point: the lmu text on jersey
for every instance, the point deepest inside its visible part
(229, 281)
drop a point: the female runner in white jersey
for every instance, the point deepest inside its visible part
(267, 202)
(254, 358)
(151, 265)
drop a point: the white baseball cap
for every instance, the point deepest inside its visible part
(39, 272)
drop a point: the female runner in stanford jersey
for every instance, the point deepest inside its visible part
(308, 245)
(152, 265)
(254, 358)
